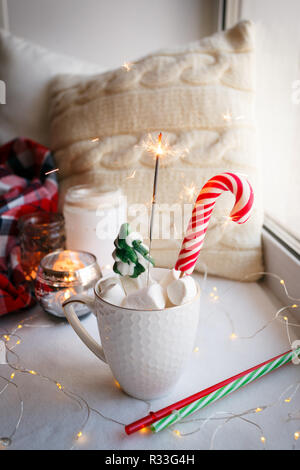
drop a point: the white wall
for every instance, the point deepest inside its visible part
(109, 32)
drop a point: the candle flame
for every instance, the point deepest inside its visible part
(68, 262)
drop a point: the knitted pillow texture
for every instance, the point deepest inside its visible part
(201, 97)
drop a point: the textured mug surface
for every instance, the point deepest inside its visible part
(147, 350)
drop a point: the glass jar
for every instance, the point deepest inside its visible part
(93, 216)
(39, 233)
(62, 274)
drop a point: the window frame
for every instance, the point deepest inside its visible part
(280, 249)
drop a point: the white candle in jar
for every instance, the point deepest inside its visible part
(93, 215)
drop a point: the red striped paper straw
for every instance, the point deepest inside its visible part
(156, 416)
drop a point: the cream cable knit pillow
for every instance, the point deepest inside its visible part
(202, 99)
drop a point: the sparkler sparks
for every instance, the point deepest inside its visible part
(156, 147)
(52, 171)
(167, 153)
(130, 177)
(228, 117)
(226, 220)
(127, 66)
(190, 191)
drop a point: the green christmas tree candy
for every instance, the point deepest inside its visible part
(131, 255)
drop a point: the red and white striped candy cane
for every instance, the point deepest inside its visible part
(193, 241)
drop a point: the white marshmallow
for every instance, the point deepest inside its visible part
(132, 284)
(148, 298)
(114, 294)
(170, 276)
(182, 290)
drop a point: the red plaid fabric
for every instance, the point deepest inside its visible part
(24, 188)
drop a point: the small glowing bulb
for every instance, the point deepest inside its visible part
(20, 326)
(211, 294)
(78, 435)
(215, 289)
(233, 336)
(285, 318)
(177, 433)
(263, 439)
(196, 349)
(296, 435)
(281, 281)
(258, 410)
(117, 384)
(295, 306)
(12, 375)
(18, 342)
(59, 385)
(32, 372)
(96, 139)
(216, 297)
(144, 430)
(6, 337)
(287, 400)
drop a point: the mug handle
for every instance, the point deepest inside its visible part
(77, 326)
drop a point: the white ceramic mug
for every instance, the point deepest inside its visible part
(146, 350)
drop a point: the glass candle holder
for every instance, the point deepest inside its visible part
(40, 233)
(93, 216)
(62, 274)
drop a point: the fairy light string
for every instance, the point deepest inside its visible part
(241, 415)
(81, 402)
(277, 316)
(13, 338)
(213, 297)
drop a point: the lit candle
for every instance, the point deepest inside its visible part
(62, 274)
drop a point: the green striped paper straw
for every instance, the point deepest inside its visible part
(187, 410)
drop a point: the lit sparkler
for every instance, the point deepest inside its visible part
(161, 149)
(158, 150)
